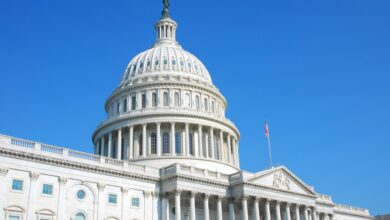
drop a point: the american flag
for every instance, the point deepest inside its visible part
(266, 129)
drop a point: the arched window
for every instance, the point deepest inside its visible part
(177, 99)
(197, 102)
(117, 107)
(213, 106)
(79, 216)
(178, 142)
(154, 143)
(154, 99)
(166, 143)
(206, 104)
(125, 105)
(187, 100)
(133, 103)
(140, 144)
(191, 139)
(143, 100)
(165, 99)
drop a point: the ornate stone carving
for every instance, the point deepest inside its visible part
(101, 186)
(34, 176)
(62, 180)
(124, 190)
(3, 171)
(147, 193)
(192, 193)
(281, 181)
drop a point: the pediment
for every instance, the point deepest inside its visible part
(280, 178)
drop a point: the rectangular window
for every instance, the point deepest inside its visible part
(112, 199)
(47, 189)
(143, 100)
(135, 202)
(13, 217)
(17, 185)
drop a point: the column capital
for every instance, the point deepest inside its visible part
(192, 194)
(101, 187)
(187, 124)
(220, 198)
(147, 193)
(131, 126)
(34, 176)
(206, 195)
(3, 171)
(119, 129)
(178, 191)
(158, 123)
(62, 180)
(124, 190)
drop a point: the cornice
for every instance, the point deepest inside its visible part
(351, 213)
(75, 165)
(195, 179)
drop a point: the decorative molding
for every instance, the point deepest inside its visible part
(147, 193)
(62, 180)
(281, 180)
(34, 176)
(3, 171)
(124, 190)
(101, 187)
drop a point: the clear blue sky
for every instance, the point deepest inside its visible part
(319, 70)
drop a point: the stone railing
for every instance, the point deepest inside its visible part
(350, 209)
(74, 156)
(176, 168)
(325, 198)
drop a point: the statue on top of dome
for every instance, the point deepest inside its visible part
(166, 4)
(165, 12)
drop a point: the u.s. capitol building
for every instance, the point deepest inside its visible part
(165, 151)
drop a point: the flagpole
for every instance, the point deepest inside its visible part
(269, 144)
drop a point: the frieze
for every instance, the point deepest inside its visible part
(281, 181)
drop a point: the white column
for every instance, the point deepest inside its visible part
(277, 210)
(297, 215)
(165, 208)
(144, 140)
(188, 153)
(306, 213)
(3, 187)
(97, 147)
(147, 202)
(102, 201)
(221, 156)
(119, 145)
(177, 205)
(32, 195)
(61, 197)
(172, 141)
(245, 208)
(102, 147)
(237, 153)
(314, 213)
(200, 142)
(212, 143)
(229, 150)
(109, 145)
(288, 213)
(256, 208)
(267, 210)
(231, 210)
(131, 142)
(158, 139)
(155, 199)
(125, 203)
(219, 208)
(206, 207)
(192, 206)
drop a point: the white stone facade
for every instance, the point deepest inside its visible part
(164, 152)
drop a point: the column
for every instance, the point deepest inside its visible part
(306, 213)
(206, 207)
(288, 214)
(177, 205)
(267, 210)
(237, 153)
(231, 210)
(32, 195)
(229, 149)
(165, 208)
(158, 139)
(245, 208)
(131, 142)
(119, 145)
(172, 141)
(125, 203)
(97, 147)
(314, 213)
(212, 143)
(192, 206)
(148, 209)
(277, 210)
(221, 156)
(188, 153)
(297, 215)
(3, 188)
(219, 208)
(155, 207)
(101, 201)
(200, 142)
(144, 140)
(102, 148)
(256, 209)
(61, 197)
(109, 145)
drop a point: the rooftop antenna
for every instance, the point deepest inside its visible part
(266, 130)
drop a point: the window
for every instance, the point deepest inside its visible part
(154, 99)
(187, 100)
(177, 99)
(79, 216)
(143, 100)
(112, 199)
(154, 143)
(80, 194)
(165, 143)
(135, 202)
(17, 185)
(133, 103)
(197, 102)
(13, 217)
(191, 143)
(178, 142)
(206, 104)
(117, 107)
(125, 105)
(140, 144)
(165, 99)
(47, 189)
(213, 107)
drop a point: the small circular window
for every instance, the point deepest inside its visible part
(80, 194)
